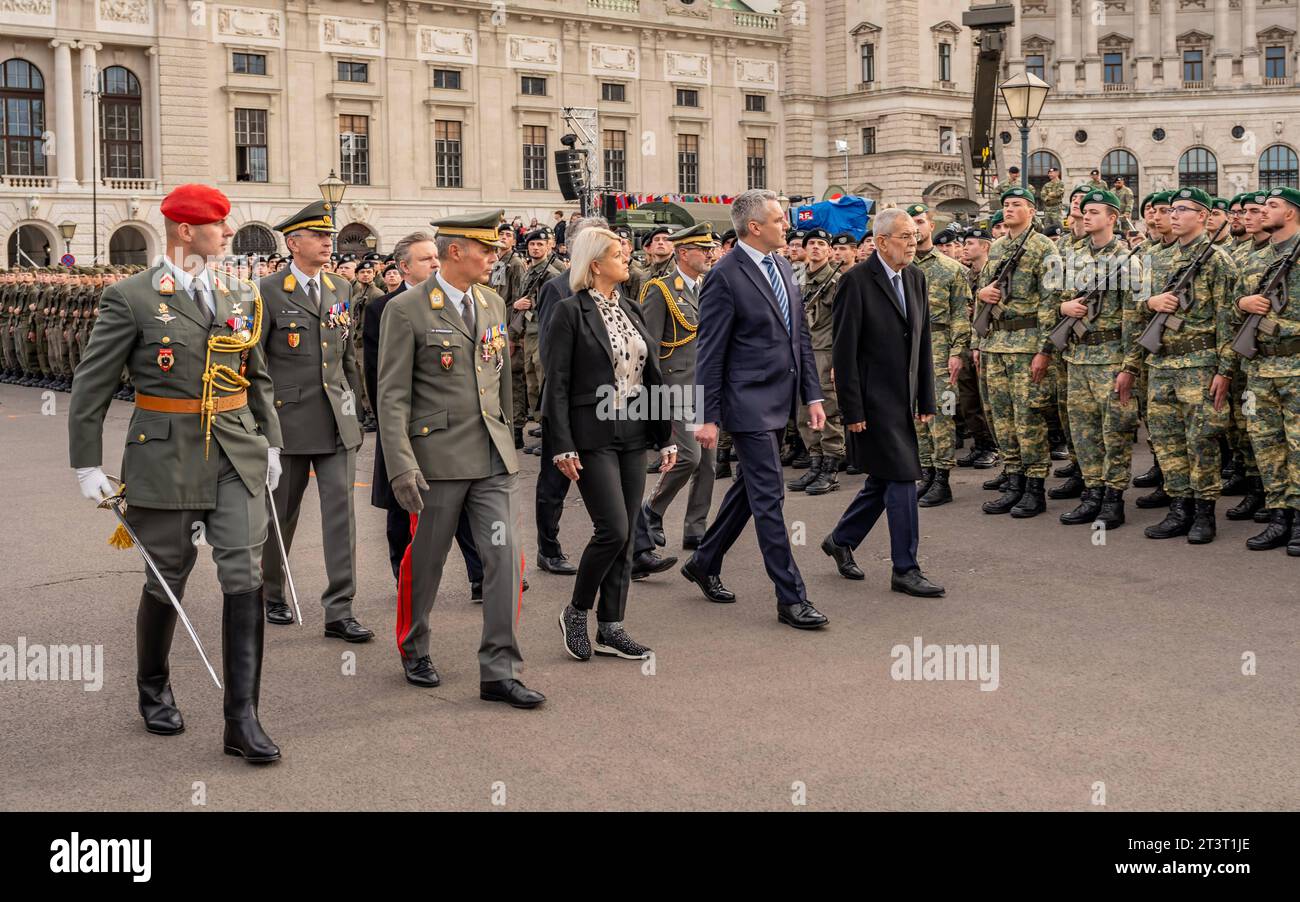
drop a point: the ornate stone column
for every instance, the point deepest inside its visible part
(65, 122)
(89, 78)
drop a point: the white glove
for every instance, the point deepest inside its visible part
(94, 484)
(273, 468)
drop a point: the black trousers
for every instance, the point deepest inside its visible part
(611, 481)
(399, 536)
(970, 407)
(552, 489)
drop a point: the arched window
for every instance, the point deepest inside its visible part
(29, 246)
(1039, 162)
(127, 246)
(1198, 168)
(1278, 168)
(352, 238)
(22, 119)
(120, 131)
(1121, 164)
(254, 239)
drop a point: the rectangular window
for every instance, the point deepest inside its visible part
(1036, 64)
(1113, 68)
(688, 97)
(250, 146)
(945, 61)
(1193, 65)
(756, 162)
(869, 140)
(614, 92)
(688, 164)
(535, 157)
(755, 103)
(349, 71)
(868, 63)
(532, 85)
(447, 153)
(615, 159)
(248, 63)
(446, 79)
(354, 149)
(1275, 62)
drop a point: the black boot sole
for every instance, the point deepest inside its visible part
(156, 732)
(347, 639)
(231, 750)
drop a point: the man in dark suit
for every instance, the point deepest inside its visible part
(755, 365)
(884, 376)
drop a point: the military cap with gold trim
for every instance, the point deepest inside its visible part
(480, 227)
(316, 217)
(1290, 195)
(1101, 196)
(1022, 193)
(700, 234)
(1195, 195)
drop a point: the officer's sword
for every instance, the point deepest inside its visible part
(114, 503)
(284, 555)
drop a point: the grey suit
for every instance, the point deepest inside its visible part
(313, 364)
(676, 350)
(445, 410)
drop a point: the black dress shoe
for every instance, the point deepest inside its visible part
(278, 612)
(559, 564)
(711, 586)
(421, 672)
(690, 543)
(843, 559)
(801, 616)
(654, 524)
(648, 562)
(913, 582)
(476, 591)
(348, 630)
(512, 692)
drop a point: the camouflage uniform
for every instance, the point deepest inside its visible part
(1181, 418)
(1050, 198)
(1125, 196)
(1239, 429)
(1018, 404)
(830, 441)
(950, 336)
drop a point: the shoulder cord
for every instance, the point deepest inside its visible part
(678, 318)
(218, 376)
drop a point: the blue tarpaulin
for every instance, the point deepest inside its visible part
(843, 214)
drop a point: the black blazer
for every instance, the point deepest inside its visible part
(883, 371)
(381, 493)
(579, 372)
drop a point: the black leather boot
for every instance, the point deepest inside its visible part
(1065, 472)
(242, 628)
(827, 477)
(1178, 522)
(1088, 508)
(1072, 488)
(723, 468)
(927, 478)
(1251, 501)
(939, 491)
(1203, 526)
(1158, 498)
(1293, 546)
(1150, 479)
(807, 479)
(1237, 484)
(997, 483)
(1033, 502)
(1276, 534)
(155, 623)
(1011, 494)
(1111, 514)
(800, 461)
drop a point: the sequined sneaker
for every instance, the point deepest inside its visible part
(573, 626)
(616, 643)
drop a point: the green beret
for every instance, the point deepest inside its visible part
(1220, 203)
(1023, 193)
(1161, 198)
(916, 209)
(1290, 195)
(995, 219)
(1253, 198)
(1237, 199)
(1195, 195)
(1146, 202)
(1081, 189)
(1100, 196)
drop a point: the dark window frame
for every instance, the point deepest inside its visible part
(535, 162)
(354, 150)
(688, 164)
(252, 156)
(121, 124)
(22, 142)
(448, 153)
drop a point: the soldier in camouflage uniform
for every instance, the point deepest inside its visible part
(1103, 424)
(817, 285)
(505, 276)
(1125, 195)
(970, 382)
(1016, 356)
(1050, 197)
(1058, 416)
(949, 298)
(1273, 375)
(1190, 378)
(364, 290)
(523, 301)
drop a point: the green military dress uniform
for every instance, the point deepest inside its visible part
(307, 340)
(950, 334)
(8, 325)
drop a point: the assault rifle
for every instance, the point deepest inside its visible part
(986, 313)
(1074, 324)
(1273, 288)
(536, 279)
(1180, 284)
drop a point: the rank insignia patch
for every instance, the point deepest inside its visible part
(294, 338)
(435, 299)
(166, 359)
(446, 360)
(166, 284)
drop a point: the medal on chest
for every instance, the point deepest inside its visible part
(493, 343)
(166, 359)
(337, 317)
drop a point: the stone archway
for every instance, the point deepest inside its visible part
(37, 242)
(949, 198)
(128, 246)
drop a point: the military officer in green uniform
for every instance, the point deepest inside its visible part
(202, 445)
(1050, 197)
(660, 260)
(307, 339)
(8, 326)
(507, 272)
(1124, 194)
(444, 421)
(1095, 180)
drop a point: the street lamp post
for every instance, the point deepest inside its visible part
(371, 242)
(332, 190)
(1024, 94)
(67, 229)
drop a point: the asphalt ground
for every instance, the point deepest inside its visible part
(1146, 675)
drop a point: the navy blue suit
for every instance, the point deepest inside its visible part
(754, 374)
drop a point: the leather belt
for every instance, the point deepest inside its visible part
(1178, 346)
(1015, 323)
(1100, 337)
(189, 405)
(1286, 347)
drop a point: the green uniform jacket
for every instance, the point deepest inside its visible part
(1051, 196)
(313, 363)
(949, 289)
(1117, 314)
(163, 465)
(1032, 296)
(1254, 268)
(436, 392)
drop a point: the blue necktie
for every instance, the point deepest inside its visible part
(778, 288)
(902, 298)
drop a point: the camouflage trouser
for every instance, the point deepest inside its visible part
(1103, 429)
(1018, 405)
(937, 439)
(1275, 432)
(724, 440)
(1238, 429)
(532, 370)
(830, 441)
(970, 402)
(518, 386)
(1061, 386)
(1185, 430)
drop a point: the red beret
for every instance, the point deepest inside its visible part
(195, 204)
